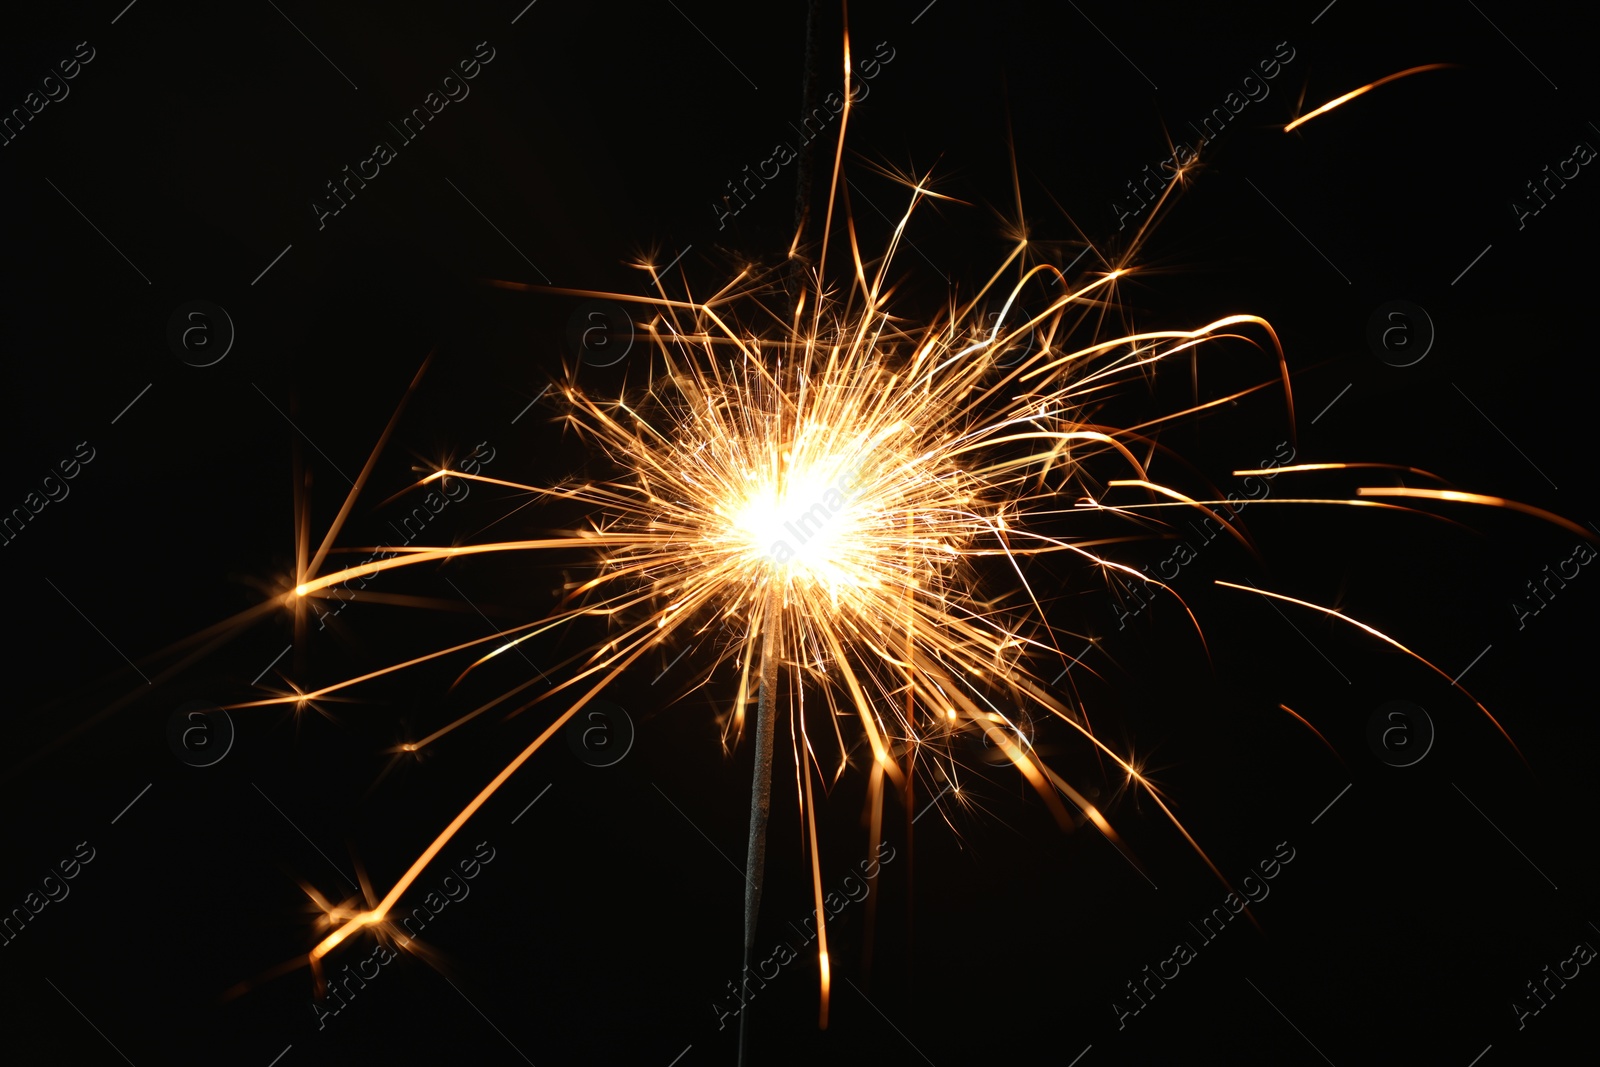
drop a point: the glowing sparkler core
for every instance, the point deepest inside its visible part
(804, 521)
(840, 515)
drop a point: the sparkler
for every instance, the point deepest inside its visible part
(825, 493)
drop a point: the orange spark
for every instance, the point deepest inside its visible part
(1352, 94)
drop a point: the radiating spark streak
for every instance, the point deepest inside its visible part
(1201, 334)
(857, 190)
(415, 555)
(379, 912)
(1021, 760)
(1386, 639)
(1120, 850)
(833, 185)
(318, 694)
(1011, 557)
(447, 473)
(498, 632)
(366, 471)
(1175, 495)
(1310, 642)
(359, 596)
(1133, 774)
(1478, 498)
(1297, 467)
(1195, 409)
(1270, 500)
(1304, 722)
(1132, 573)
(1352, 94)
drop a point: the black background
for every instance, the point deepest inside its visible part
(1415, 908)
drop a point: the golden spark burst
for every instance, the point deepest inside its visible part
(835, 486)
(826, 494)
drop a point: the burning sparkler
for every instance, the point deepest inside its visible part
(837, 486)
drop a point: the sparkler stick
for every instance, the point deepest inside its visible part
(766, 694)
(761, 786)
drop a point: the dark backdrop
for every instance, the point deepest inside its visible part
(181, 163)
